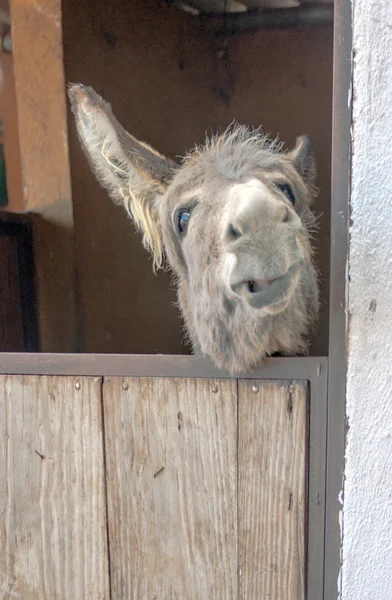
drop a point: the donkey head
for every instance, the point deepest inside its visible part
(233, 221)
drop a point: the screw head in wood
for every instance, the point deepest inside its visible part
(125, 385)
(77, 385)
(255, 388)
(291, 388)
(214, 388)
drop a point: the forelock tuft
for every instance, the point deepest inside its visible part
(236, 144)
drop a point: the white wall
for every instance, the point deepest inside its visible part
(367, 510)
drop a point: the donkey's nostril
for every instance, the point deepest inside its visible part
(233, 233)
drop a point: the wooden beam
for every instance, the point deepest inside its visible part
(42, 122)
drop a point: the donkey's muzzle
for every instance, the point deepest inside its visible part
(260, 293)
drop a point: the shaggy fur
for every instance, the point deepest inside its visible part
(247, 286)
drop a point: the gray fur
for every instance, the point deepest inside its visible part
(247, 286)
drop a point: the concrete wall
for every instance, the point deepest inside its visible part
(167, 85)
(367, 510)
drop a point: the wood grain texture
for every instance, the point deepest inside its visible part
(43, 142)
(53, 543)
(272, 490)
(171, 477)
(41, 101)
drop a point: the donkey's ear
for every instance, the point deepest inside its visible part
(133, 173)
(303, 159)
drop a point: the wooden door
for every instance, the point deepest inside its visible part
(142, 488)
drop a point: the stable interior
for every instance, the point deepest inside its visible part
(171, 79)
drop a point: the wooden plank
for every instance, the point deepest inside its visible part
(272, 489)
(41, 101)
(53, 543)
(43, 140)
(171, 456)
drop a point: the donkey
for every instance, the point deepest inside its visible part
(232, 221)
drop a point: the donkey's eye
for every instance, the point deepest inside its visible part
(287, 191)
(183, 219)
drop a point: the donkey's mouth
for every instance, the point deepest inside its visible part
(261, 293)
(256, 286)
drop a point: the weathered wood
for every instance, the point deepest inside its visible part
(203, 501)
(43, 141)
(172, 483)
(41, 101)
(272, 490)
(53, 542)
